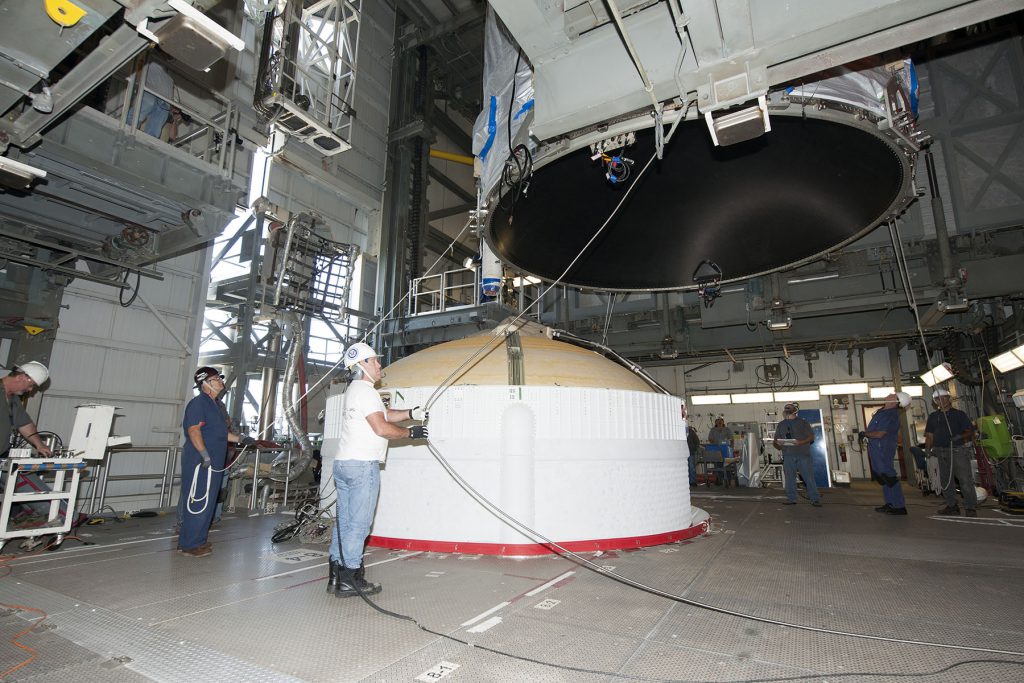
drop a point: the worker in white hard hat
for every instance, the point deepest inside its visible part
(23, 379)
(366, 427)
(881, 436)
(26, 379)
(949, 437)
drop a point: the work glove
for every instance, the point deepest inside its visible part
(206, 458)
(418, 432)
(246, 442)
(861, 435)
(418, 414)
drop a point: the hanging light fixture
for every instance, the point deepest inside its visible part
(940, 373)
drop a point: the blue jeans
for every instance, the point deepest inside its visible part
(357, 483)
(790, 464)
(962, 473)
(153, 114)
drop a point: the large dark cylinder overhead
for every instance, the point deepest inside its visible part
(815, 182)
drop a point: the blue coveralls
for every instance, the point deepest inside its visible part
(201, 410)
(881, 453)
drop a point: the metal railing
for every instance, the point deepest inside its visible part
(210, 135)
(444, 291)
(103, 476)
(169, 475)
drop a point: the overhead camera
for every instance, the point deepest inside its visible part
(708, 276)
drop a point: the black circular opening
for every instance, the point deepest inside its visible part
(792, 194)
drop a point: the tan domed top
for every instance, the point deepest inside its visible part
(545, 363)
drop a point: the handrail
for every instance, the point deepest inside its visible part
(219, 128)
(103, 477)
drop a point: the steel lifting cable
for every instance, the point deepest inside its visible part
(908, 290)
(576, 557)
(522, 528)
(447, 382)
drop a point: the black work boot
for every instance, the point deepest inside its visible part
(365, 586)
(332, 576)
(346, 583)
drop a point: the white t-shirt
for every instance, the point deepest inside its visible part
(358, 440)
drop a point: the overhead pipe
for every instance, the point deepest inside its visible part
(451, 156)
(268, 403)
(941, 229)
(298, 432)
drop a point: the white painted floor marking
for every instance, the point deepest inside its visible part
(481, 627)
(437, 672)
(485, 614)
(549, 584)
(321, 565)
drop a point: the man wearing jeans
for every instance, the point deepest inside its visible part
(366, 427)
(948, 436)
(794, 436)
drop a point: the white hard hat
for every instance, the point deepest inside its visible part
(904, 398)
(36, 370)
(936, 393)
(358, 352)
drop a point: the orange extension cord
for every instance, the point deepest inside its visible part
(5, 564)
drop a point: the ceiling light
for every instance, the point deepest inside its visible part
(1011, 360)
(780, 321)
(18, 175)
(764, 397)
(882, 392)
(709, 399)
(848, 388)
(940, 373)
(807, 395)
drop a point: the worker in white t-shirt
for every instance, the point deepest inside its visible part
(366, 427)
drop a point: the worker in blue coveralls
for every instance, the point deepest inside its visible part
(881, 437)
(203, 461)
(794, 436)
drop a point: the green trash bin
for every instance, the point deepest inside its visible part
(994, 436)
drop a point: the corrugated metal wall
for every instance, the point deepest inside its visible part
(141, 358)
(138, 358)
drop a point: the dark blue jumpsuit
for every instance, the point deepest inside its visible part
(881, 453)
(201, 410)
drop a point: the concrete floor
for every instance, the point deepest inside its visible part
(129, 608)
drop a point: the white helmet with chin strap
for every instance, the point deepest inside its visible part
(939, 393)
(357, 353)
(903, 398)
(36, 371)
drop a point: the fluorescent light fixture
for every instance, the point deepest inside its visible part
(848, 388)
(940, 373)
(1011, 360)
(18, 175)
(765, 397)
(709, 399)
(779, 322)
(808, 395)
(518, 282)
(882, 392)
